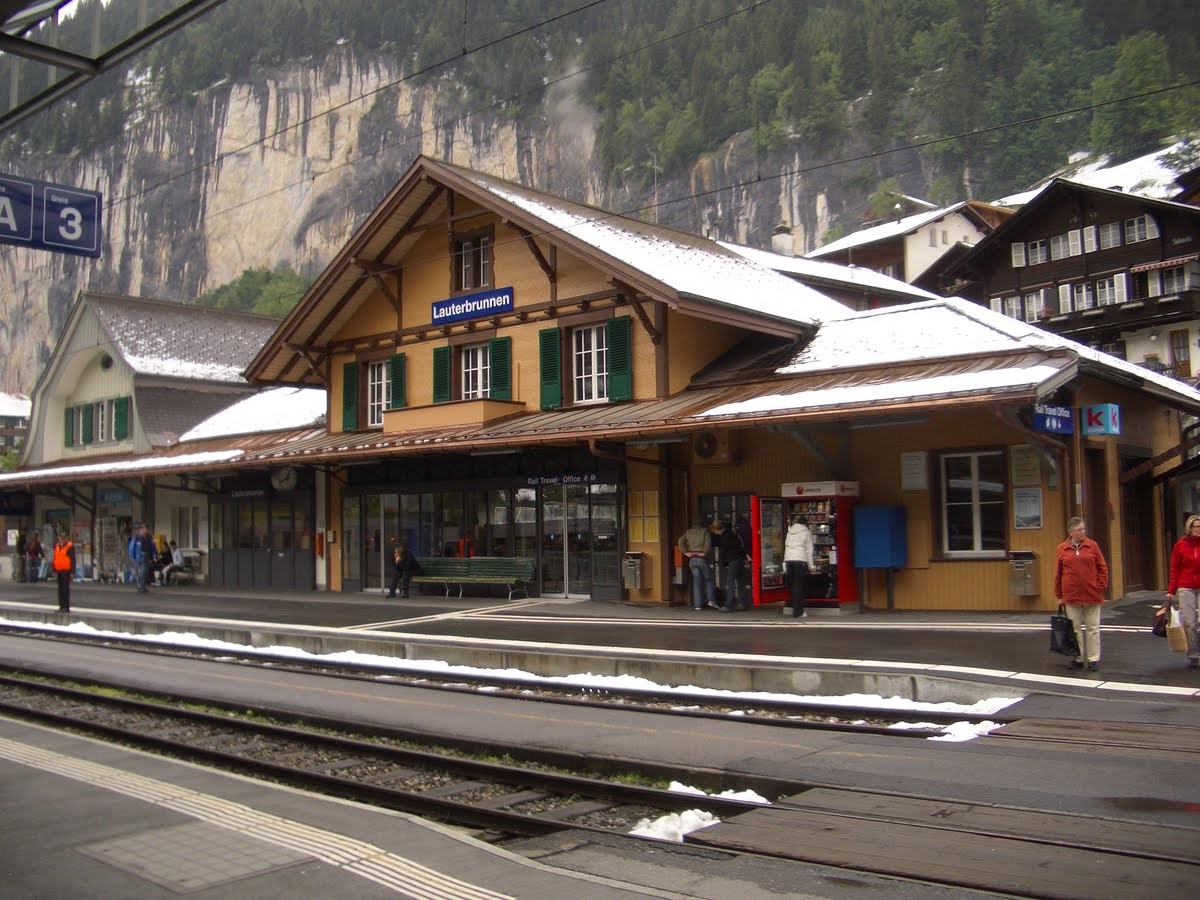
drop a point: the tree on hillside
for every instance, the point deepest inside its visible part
(1131, 127)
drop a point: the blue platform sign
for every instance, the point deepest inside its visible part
(48, 216)
(1053, 419)
(472, 306)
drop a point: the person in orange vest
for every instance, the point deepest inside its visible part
(64, 568)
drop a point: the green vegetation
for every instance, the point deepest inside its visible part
(262, 291)
(671, 80)
(8, 462)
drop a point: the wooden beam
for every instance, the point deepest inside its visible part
(631, 295)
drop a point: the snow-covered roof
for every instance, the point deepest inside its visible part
(274, 409)
(178, 340)
(852, 276)
(883, 340)
(883, 232)
(115, 468)
(1145, 176)
(15, 406)
(693, 266)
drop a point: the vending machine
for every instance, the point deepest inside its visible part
(828, 508)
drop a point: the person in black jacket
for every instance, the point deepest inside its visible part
(404, 567)
(731, 556)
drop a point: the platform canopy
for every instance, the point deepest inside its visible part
(48, 61)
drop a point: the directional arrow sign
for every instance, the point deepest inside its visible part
(49, 216)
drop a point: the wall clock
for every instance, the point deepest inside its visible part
(284, 479)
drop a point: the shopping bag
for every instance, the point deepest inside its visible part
(1176, 639)
(1062, 634)
(1162, 617)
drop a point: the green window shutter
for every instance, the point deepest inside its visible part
(87, 436)
(550, 364)
(500, 361)
(121, 418)
(441, 374)
(620, 359)
(396, 372)
(350, 397)
(69, 427)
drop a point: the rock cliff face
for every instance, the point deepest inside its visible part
(283, 168)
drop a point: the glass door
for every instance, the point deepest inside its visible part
(579, 541)
(554, 550)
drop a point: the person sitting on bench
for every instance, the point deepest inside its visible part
(175, 565)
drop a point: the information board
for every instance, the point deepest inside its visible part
(48, 216)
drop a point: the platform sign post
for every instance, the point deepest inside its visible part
(47, 216)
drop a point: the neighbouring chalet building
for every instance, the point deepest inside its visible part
(1113, 270)
(909, 247)
(14, 421)
(128, 377)
(510, 374)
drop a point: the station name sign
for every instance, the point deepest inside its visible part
(472, 306)
(48, 216)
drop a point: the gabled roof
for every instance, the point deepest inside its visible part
(168, 339)
(815, 271)
(1054, 193)
(685, 271)
(986, 215)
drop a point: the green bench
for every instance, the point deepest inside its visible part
(454, 571)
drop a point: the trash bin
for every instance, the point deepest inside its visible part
(1022, 574)
(633, 571)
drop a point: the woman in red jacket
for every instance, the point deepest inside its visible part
(1184, 583)
(1080, 578)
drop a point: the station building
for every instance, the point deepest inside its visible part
(510, 374)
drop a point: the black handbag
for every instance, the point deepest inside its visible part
(1062, 634)
(1162, 616)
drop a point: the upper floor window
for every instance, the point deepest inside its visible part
(590, 363)
(1064, 245)
(1012, 307)
(1174, 280)
(599, 364)
(1081, 296)
(1140, 228)
(379, 392)
(933, 237)
(1111, 290)
(1035, 305)
(473, 371)
(1037, 252)
(476, 371)
(371, 388)
(1110, 235)
(96, 423)
(472, 261)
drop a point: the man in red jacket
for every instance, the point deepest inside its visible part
(1080, 577)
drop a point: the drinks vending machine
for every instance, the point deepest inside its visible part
(827, 506)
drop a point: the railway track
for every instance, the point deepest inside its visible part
(782, 713)
(374, 766)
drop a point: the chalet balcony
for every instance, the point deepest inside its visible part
(1107, 322)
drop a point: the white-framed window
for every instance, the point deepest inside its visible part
(1081, 296)
(1035, 303)
(1110, 235)
(1174, 280)
(1111, 290)
(1012, 307)
(945, 237)
(1018, 254)
(1140, 228)
(932, 237)
(1037, 252)
(476, 371)
(379, 392)
(973, 513)
(185, 525)
(1059, 247)
(472, 262)
(996, 304)
(102, 416)
(589, 363)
